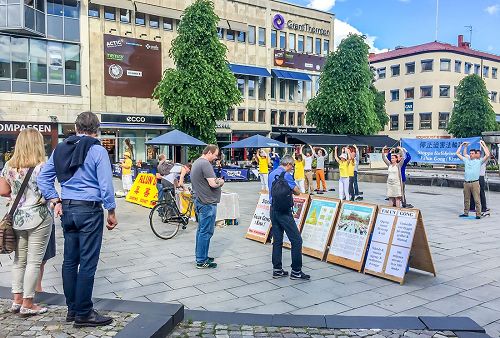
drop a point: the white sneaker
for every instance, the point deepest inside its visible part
(15, 308)
(25, 312)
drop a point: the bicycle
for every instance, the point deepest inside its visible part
(166, 218)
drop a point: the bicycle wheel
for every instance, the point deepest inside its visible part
(161, 221)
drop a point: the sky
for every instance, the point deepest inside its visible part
(391, 23)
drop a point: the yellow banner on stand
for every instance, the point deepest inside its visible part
(144, 191)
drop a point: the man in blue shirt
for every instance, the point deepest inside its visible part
(472, 172)
(276, 159)
(284, 222)
(83, 169)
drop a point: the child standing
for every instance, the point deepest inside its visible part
(344, 175)
(126, 172)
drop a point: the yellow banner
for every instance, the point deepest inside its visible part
(143, 191)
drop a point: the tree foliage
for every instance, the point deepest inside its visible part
(201, 88)
(379, 102)
(345, 104)
(472, 112)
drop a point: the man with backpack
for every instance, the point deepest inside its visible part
(281, 188)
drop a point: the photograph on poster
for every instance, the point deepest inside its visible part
(298, 211)
(318, 223)
(355, 219)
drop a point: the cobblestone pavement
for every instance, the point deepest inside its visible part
(136, 265)
(211, 330)
(53, 324)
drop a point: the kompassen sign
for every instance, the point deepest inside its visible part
(8, 127)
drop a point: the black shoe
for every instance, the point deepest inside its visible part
(280, 273)
(206, 265)
(332, 189)
(320, 193)
(464, 215)
(408, 205)
(478, 217)
(359, 198)
(92, 320)
(316, 189)
(387, 198)
(70, 316)
(360, 193)
(299, 276)
(211, 259)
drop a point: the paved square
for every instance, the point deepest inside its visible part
(136, 265)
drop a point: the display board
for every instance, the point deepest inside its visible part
(260, 226)
(300, 204)
(352, 234)
(144, 191)
(318, 225)
(399, 241)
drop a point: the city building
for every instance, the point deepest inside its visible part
(61, 57)
(419, 84)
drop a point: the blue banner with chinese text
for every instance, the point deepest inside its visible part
(437, 151)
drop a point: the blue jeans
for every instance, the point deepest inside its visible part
(82, 227)
(206, 225)
(356, 188)
(159, 186)
(284, 222)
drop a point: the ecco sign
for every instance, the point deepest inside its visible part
(136, 119)
(115, 118)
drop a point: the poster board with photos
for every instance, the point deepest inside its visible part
(318, 225)
(300, 204)
(352, 234)
(260, 226)
(399, 241)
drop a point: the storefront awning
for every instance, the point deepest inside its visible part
(148, 126)
(289, 75)
(377, 141)
(125, 4)
(159, 11)
(249, 70)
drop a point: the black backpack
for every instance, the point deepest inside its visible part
(282, 194)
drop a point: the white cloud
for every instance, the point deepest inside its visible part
(322, 5)
(490, 48)
(493, 9)
(342, 30)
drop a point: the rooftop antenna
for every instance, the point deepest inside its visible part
(437, 18)
(470, 34)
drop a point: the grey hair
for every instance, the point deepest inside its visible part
(286, 160)
(87, 123)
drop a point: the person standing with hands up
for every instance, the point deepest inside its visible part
(82, 167)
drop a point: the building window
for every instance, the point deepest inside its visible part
(308, 90)
(300, 44)
(242, 37)
(251, 87)
(274, 117)
(282, 40)
(445, 65)
(316, 84)
(300, 91)
(38, 60)
(93, 10)
(230, 115)
(425, 91)
(408, 121)
(292, 84)
(282, 89)
(309, 44)
(486, 71)
(220, 31)
(494, 72)
(395, 95)
(444, 91)
(477, 69)
(5, 59)
(394, 122)
(282, 120)
(274, 38)
(262, 36)
(140, 19)
(326, 46)
(154, 21)
(20, 57)
(291, 41)
(425, 120)
(317, 46)
(251, 115)
(230, 35)
(381, 73)
(395, 70)
(468, 67)
(109, 13)
(56, 64)
(300, 119)
(72, 64)
(241, 115)
(291, 118)
(273, 88)
(262, 115)
(455, 91)
(262, 88)
(124, 15)
(458, 66)
(443, 120)
(241, 84)
(493, 96)
(168, 25)
(251, 35)
(426, 65)
(409, 93)
(410, 68)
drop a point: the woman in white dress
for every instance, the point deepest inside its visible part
(394, 182)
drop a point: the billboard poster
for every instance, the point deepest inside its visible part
(438, 151)
(132, 67)
(318, 225)
(260, 226)
(288, 59)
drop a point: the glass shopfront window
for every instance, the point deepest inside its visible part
(63, 21)
(38, 60)
(5, 60)
(19, 50)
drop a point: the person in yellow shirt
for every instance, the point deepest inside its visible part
(126, 172)
(343, 161)
(263, 163)
(299, 173)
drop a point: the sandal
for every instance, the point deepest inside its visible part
(26, 312)
(15, 308)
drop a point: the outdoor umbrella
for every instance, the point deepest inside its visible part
(257, 141)
(176, 138)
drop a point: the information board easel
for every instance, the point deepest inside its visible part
(318, 225)
(260, 226)
(352, 234)
(399, 241)
(300, 204)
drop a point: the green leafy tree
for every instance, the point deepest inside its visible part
(201, 88)
(472, 112)
(379, 102)
(345, 104)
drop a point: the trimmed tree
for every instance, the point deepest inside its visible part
(379, 101)
(472, 113)
(201, 88)
(345, 103)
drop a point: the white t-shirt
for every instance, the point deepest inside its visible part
(308, 161)
(174, 173)
(320, 162)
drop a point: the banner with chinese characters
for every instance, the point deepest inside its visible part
(143, 191)
(438, 151)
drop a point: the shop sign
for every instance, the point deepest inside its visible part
(298, 61)
(132, 67)
(16, 127)
(279, 24)
(222, 125)
(144, 191)
(285, 130)
(408, 106)
(132, 119)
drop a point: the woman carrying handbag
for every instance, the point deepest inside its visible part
(30, 218)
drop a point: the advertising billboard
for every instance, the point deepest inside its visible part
(284, 58)
(132, 67)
